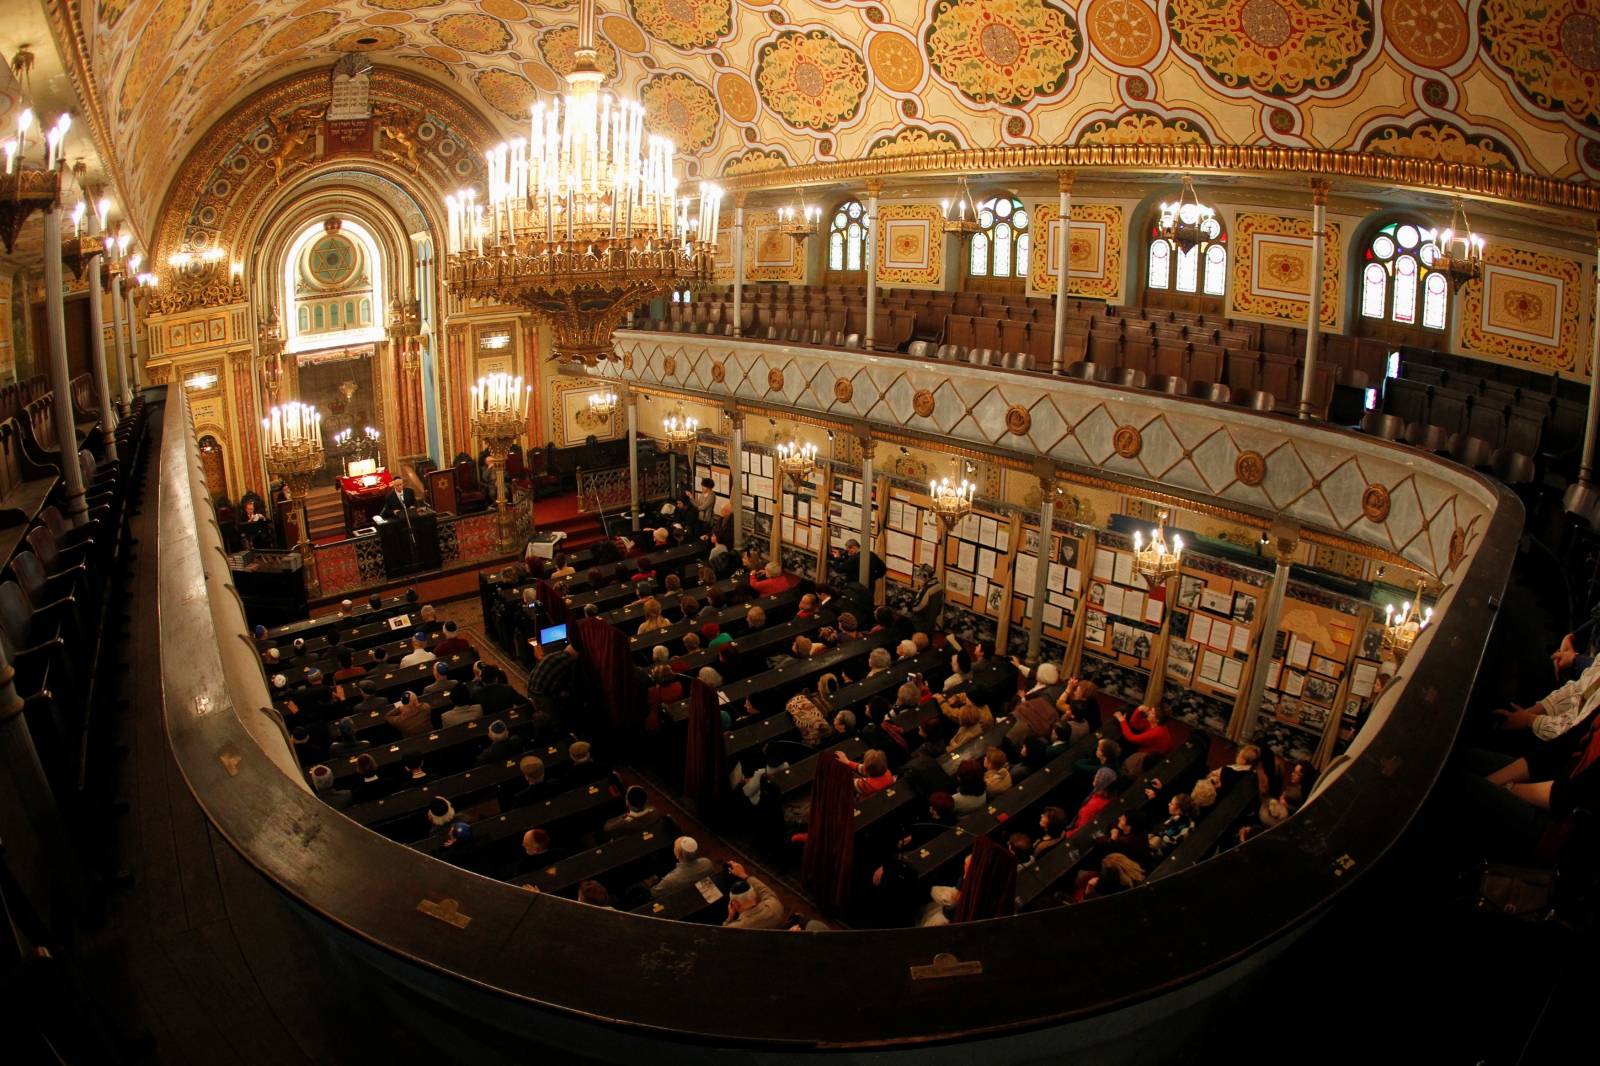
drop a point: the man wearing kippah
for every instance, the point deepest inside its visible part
(751, 904)
(419, 650)
(692, 866)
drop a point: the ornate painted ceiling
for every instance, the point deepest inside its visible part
(742, 84)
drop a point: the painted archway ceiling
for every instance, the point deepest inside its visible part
(743, 85)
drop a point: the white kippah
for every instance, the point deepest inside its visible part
(279, 681)
(687, 846)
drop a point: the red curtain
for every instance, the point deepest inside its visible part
(705, 774)
(555, 606)
(608, 669)
(990, 888)
(829, 859)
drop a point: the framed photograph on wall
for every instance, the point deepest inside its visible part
(1189, 589)
(1372, 641)
(1244, 608)
(1219, 603)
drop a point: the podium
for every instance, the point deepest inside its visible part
(409, 546)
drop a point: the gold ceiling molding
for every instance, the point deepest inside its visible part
(66, 26)
(1511, 187)
(304, 89)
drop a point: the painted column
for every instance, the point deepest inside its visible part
(736, 477)
(867, 446)
(117, 326)
(60, 379)
(633, 461)
(738, 267)
(873, 189)
(135, 375)
(1041, 570)
(1319, 225)
(1586, 466)
(97, 342)
(1284, 542)
(1063, 275)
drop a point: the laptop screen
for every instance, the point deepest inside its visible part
(553, 634)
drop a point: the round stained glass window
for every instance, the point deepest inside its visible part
(1382, 246)
(331, 261)
(1407, 236)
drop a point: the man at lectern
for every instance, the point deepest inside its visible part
(396, 500)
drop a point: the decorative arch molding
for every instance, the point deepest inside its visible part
(239, 167)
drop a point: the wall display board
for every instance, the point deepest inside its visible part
(1313, 670)
(760, 488)
(1122, 619)
(1216, 620)
(845, 498)
(711, 461)
(1064, 581)
(805, 514)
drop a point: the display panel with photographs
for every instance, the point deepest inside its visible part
(1125, 614)
(1213, 637)
(1317, 666)
(1063, 582)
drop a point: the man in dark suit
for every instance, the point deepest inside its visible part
(396, 500)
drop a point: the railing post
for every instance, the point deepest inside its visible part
(738, 266)
(1284, 541)
(633, 459)
(1041, 573)
(1319, 223)
(873, 189)
(1063, 273)
(60, 378)
(864, 438)
(117, 325)
(97, 344)
(736, 477)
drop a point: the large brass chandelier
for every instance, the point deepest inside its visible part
(583, 220)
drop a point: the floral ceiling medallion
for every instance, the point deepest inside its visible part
(1551, 52)
(812, 80)
(1275, 47)
(685, 24)
(1007, 52)
(681, 108)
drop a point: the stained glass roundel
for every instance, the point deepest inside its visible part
(331, 260)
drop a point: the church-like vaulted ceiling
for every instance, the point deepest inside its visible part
(744, 85)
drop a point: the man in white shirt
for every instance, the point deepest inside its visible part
(419, 650)
(1559, 711)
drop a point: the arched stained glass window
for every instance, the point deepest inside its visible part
(847, 237)
(1000, 248)
(1202, 270)
(1398, 282)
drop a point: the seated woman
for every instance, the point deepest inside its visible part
(1147, 730)
(971, 794)
(653, 619)
(1302, 779)
(996, 772)
(665, 687)
(1100, 797)
(1052, 830)
(1118, 873)
(1078, 705)
(1243, 766)
(872, 772)
(969, 719)
(1180, 820)
(809, 711)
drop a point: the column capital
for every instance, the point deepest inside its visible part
(1283, 538)
(1319, 191)
(740, 198)
(735, 418)
(873, 186)
(867, 444)
(1065, 178)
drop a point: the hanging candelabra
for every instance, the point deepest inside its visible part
(293, 435)
(1402, 628)
(499, 405)
(1155, 561)
(583, 219)
(1185, 221)
(952, 502)
(799, 221)
(963, 222)
(26, 188)
(1460, 253)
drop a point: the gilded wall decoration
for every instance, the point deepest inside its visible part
(677, 106)
(1550, 51)
(1274, 47)
(685, 24)
(755, 160)
(769, 253)
(911, 244)
(1006, 52)
(811, 79)
(1272, 268)
(558, 46)
(1141, 127)
(510, 94)
(1441, 142)
(1096, 252)
(1524, 309)
(912, 140)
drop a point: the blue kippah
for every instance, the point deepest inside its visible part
(419, 635)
